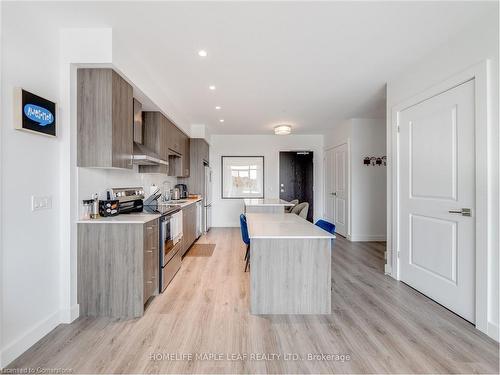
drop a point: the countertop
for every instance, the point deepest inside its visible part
(266, 225)
(267, 202)
(136, 218)
(184, 202)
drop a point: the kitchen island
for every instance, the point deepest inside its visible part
(290, 265)
(268, 205)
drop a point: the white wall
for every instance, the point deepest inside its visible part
(368, 183)
(30, 166)
(461, 52)
(225, 212)
(367, 190)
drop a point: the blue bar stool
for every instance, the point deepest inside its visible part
(245, 238)
(323, 224)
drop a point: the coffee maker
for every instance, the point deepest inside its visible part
(183, 191)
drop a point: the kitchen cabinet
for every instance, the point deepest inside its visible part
(155, 135)
(118, 268)
(198, 156)
(174, 140)
(188, 227)
(178, 151)
(151, 260)
(104, 119)
(186, 157)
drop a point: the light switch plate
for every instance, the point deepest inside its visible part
(41, 203)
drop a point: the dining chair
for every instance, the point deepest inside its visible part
(326, 225)
(301, 209)
(294, 202)
(245, 237)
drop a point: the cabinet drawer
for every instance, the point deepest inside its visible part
(171, 268)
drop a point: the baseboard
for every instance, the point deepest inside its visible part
(17, 347)
(69, 315)
(493, 331)
(388, 269)
(367, 238)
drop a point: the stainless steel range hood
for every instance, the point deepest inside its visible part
(142, 154)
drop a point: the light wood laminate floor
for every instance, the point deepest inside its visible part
(383, 325)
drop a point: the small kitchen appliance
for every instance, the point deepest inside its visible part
(176, 194)
(129, 199)
(183, 190)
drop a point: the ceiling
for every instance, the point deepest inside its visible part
(310, 64)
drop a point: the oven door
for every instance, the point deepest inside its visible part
(166, 242)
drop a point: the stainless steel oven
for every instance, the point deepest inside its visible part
(170, 244)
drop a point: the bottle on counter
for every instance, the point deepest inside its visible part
(95, 207)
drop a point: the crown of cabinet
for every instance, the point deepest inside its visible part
(104, 119)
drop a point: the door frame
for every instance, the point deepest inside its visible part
(315, 197)
(483, 124)
(330, 148)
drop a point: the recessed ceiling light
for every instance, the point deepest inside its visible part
(211, 87)
(282, 129)
(221, 120)
(217, 107)
(202, 53)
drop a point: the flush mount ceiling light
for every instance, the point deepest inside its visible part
(211, 87)
(217, 107)
(282, 129)
(202, 53)
(221, 120)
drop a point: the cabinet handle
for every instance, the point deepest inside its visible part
(149, 251)
(149, 282)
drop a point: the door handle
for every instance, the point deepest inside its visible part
(461, 211)
(334, 194)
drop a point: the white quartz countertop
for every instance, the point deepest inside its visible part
(132, 218)
(283, 225)
(136, 217)
(267, 202)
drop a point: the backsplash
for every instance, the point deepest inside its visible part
(96, 180)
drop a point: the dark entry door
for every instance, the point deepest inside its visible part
(296, 177)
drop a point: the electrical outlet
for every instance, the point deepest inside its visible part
(41, 203)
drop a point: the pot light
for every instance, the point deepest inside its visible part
(221, 120)
(211, 87)
(282, 129)
(217, 107)
(202, 53)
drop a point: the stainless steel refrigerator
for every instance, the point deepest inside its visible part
(207, 199)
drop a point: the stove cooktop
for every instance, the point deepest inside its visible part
(161, 208)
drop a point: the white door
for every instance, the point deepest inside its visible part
(336, 187)
(437, 187)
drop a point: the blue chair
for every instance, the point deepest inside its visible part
(329, 227)
(245, 238)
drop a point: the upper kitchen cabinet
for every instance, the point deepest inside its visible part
(198, 157)
(105, 118)
(174, 140)
(186, 157)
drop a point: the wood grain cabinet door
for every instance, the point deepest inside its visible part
(151, 259)
(105, 136)
(123, 123)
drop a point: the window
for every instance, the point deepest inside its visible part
(242, 177)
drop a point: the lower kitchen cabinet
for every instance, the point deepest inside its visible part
(151, 260)
(188, 227)
(117, 268)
